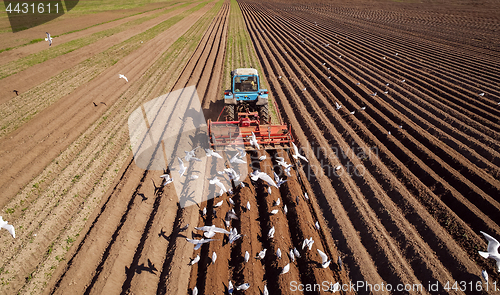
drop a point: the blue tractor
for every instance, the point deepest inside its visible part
(245, 95)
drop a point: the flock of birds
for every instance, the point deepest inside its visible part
(209, 231)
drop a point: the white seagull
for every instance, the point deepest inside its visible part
(248, 205)
(190, 156)
(237, 160)
(274, 212)
(195, 291)
(230, 288)
(253, 141)
(256, 175)
(285, 209)
(210, 231)
(324, 259)
(195, 260)
(214, 257)
(278, 202)
(308, 242)
(278, 181)
(285, 269)
(265, 292)
(48, 38)
(211, 152)
(287, 170)
(278, 253)
(296, 252)
(182, 168)
(233, 236)
(219, 204)
(217, 182)
(317, 225)
(262, 158)
(199, 243)
(270, 234)
(247, 256)
(167, 179)
(492, 251)
(120, 76)
(297, 155)
(243, 286)
(484, 274)
(481, 94)
(8, 227)
(337, 106)
(292, 256)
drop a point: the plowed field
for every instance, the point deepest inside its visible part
(395, 104)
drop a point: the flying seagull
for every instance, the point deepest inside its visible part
(256, 175)
(279, 182)
(190, 156)
(237, 160)
(217, 182)
(297, 155)
(8, 227)
(120, 76)
(337, 106)
(211, 152)
(324, 259)
(492, 251)
(209, 231)
(182, 168)
(198, 243)
(233, 236)
(48, 38)
(253, 141)
(167, 178)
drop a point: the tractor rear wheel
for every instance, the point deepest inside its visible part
(230, 112)
(264, 113)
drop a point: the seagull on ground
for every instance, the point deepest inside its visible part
(278, 202)
(278, 253)
(402, 81)
(374, 94)
(211, 152)
(256, 175)
(230, 288)
(198, 243)
(247, 256)
(306, 196)
(48, 38)
(230, 201)
(317, 225)
(492, 250)
(269, 190)
(339, 262)
(305, 88)
(204, 211)
(285, 209)
(253, 141)
(8, 227)
(285, 269)
(481, 94)
(262, 254)
(243, 286)
(195, 260)
(270, 234)
(182, 168)
(120, 76)
(248, 205)
(195, 291)
(262, 158)
(265, 292)
(296, 252)
(274, 212)
(297, 155)
(484, 274)
(362, 108)
(324, 259)
(214, 257)
(337, 168)
(218, 204)
(292, 256)
(352, 113)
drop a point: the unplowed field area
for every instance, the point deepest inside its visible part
(395, 104)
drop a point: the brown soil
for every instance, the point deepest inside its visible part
(402, 208)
